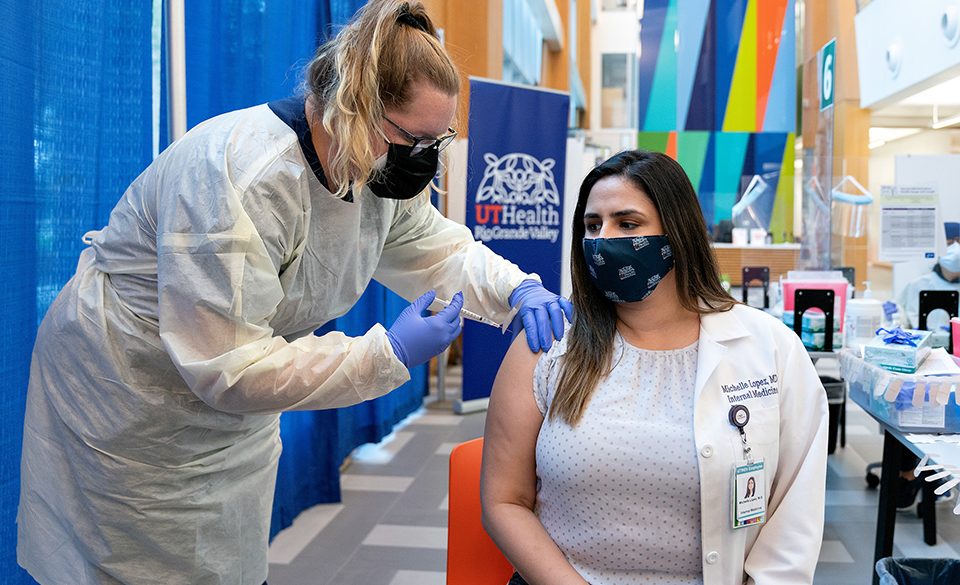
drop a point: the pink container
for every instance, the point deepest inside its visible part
(955, 333)
(839, 288)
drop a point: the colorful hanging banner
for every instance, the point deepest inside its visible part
(516, 159)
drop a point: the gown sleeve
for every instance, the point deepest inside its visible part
(425, 250)
(219, 286)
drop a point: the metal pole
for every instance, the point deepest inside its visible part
(442, 375)
(176, 70)
(443, 358)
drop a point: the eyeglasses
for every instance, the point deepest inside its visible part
(421, 144)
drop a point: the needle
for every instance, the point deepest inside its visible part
(469, 314)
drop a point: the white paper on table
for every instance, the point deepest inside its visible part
(920, 438)
(938, 363)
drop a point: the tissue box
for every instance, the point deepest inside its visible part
(939, 338)
(897, 357)
(813, 322)
(814, 340)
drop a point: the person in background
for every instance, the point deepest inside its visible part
(944, 276)
(610, 458)
(152, 434)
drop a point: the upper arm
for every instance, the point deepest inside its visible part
(510, 436)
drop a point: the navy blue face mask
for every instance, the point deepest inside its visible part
(627, 270)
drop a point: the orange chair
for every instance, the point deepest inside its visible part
(472, 557)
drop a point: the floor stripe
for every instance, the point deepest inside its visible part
(407, 536)
(445, 448)
(860, 430)
(847, 463)
(419, 578)
(374, 483)
(909, 540)
(869, 498)
(436, 419)
(384, 451)
(833, 551)
(291, 541)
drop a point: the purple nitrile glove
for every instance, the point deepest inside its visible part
(904, 399)
(416, 339)
(541, 312)
(889, 308)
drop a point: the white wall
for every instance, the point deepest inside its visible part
(456, 162)
(882, 169)
(614, 32)
(904, 47)
(943, 171)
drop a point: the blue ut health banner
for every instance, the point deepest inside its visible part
(516, 158)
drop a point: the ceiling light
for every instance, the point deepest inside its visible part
(876, 144)
(946, 122)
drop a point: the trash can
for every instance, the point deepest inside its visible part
(894, 571)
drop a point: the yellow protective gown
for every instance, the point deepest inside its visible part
(151, 436)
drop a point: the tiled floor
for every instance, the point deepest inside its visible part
(390, 528)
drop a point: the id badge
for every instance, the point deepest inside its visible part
(749, 499)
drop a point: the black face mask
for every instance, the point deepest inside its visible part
(404, 176)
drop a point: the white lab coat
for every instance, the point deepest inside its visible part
(151, 435)
(908, 301)
(787, 429)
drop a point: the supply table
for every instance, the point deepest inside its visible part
(867, 386)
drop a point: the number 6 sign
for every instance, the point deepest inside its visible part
(826, 65)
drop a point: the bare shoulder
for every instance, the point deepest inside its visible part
(512, 398)
(519, 355)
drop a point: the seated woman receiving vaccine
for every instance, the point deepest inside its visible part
(673, 435)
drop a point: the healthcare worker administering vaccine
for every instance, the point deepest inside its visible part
(944, 276)
(152, 424)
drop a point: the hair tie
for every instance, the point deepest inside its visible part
(405, 17)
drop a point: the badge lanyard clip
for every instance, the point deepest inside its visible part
(748, 500)
(739, 417)
(746, 447)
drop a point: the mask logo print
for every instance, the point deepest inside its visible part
(627, 270)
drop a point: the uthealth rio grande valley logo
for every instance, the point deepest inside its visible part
(517, 199)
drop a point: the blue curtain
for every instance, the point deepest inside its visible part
(76, 104)
(76, 79)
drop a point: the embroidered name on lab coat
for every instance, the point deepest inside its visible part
(751, 388)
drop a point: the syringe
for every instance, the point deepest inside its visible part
(469, 314)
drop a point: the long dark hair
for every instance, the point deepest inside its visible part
(590, 343)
